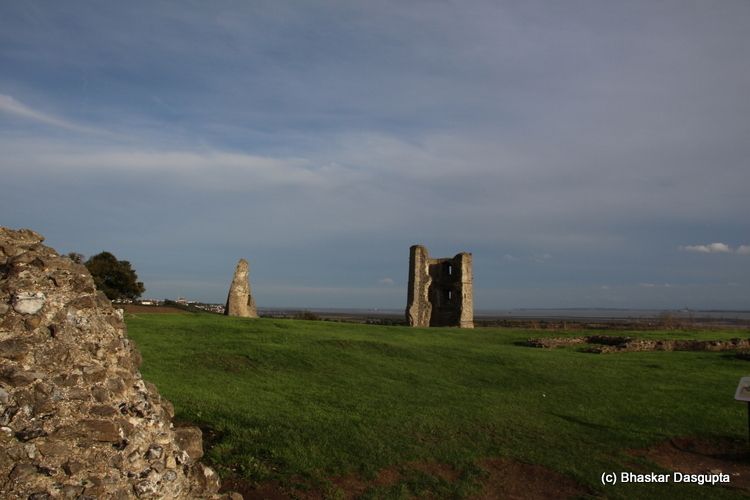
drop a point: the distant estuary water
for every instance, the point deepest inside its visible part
(560, 314)
(633, 314)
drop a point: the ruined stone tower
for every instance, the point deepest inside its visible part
(440, 290)
(240, 301)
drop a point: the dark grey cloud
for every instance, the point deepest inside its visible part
(588, 141)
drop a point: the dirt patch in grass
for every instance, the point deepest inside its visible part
(438, 470)
(269, 490)
(702, 456)
(341, 487)
(418, 478)
(497, 478)
(509, 479)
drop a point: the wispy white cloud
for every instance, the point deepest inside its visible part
(716, 248)
(326, 296)
(537, 258)
(208, 169)
(12, 106)
(708, 248)
(386, 281)
(540, 258)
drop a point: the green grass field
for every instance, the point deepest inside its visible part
(306, 401)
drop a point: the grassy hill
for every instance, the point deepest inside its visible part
(301, 402)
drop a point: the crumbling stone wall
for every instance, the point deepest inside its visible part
(440, 290)
(76, 418)
(600, 344)
(240, 301)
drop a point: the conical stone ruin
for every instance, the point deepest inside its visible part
(240, 301)
(76, 418)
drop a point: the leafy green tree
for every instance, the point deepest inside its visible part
(76, 257)
(116, 278)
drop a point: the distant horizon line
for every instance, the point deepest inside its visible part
(484, 311)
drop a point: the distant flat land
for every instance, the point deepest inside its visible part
(321, 409)
(546, 318)
(139, 309)
(516, 318)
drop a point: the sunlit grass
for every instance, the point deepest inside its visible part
(311, 399)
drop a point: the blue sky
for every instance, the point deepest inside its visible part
(588, 153)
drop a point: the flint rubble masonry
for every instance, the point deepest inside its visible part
(240, 301)
(76, 418)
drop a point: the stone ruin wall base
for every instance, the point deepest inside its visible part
(77, 420)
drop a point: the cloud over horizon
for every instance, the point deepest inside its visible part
(716, 248)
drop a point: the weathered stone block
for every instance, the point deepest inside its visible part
(14, 348)
(96, 430)
(100, 394)
(103, 410)
(190, 439)
(22, 472)
(28, 302)
(29, 434)
(53, 448)
(206, 477)
(18, 377)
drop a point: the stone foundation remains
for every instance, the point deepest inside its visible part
(240, 301)
(76, 418)
(601, 344)
(440, 290)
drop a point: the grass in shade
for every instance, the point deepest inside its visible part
(305, 401)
